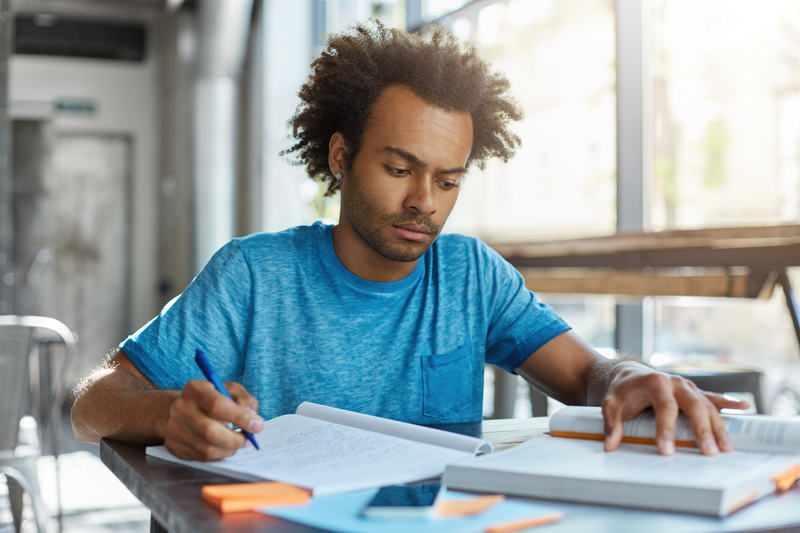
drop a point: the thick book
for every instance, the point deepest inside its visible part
(577, 469)
(332, 451)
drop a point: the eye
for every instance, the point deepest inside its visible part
(398, 171)
(447, 185)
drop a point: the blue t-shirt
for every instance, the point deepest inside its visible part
(280, 314)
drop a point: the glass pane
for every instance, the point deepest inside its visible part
(339, 14)
(559, 57)
(591, 317)
(434, 9)
(756, 334)
(726, 99)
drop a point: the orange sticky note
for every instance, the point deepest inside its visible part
(469, 506)
(248, 496)
(525, 523)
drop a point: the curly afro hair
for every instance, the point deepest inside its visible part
(357, 65)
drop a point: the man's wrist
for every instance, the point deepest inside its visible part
(624, 368)
(604, 372)
(163, 406)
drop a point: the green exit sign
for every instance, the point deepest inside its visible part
(75, 106)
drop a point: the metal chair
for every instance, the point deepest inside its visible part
(19, 381)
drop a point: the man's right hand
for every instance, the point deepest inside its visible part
(197, 426)
(118, 401)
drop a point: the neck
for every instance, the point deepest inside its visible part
(361, 259)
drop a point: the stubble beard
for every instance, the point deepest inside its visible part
(362, 214)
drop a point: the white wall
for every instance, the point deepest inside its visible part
(288, 52)
(126, 97)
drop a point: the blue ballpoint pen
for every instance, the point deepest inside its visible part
(208, 371)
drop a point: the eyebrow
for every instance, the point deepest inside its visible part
(408, 156)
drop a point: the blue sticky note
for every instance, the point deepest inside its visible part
(342, 514)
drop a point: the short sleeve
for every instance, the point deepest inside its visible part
(519, 324)
(213, 314)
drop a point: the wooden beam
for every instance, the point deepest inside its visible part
(731, 283)
(767, 248)
(720, 238)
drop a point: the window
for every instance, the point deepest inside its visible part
(559, 57)
(726, 109)
(726, 152)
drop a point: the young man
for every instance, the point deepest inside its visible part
(378, 314)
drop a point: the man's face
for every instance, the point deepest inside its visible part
(405, 180)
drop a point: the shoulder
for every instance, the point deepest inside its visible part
(461, 255)
(451, 246)
(279, 239)
(456, 242)
(281, 245)
(261, 253)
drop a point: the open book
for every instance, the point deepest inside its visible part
(331, 451)
(749, 433)
(579, 470)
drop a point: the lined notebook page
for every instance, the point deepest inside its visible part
(328, 458)
(394, 428)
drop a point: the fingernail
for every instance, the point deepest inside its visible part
(666, 444)
(667, 447)
(710, 446)
(255, 424)
(726, 443)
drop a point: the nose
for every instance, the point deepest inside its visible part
(420, 197)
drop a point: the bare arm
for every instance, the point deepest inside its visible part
(119, 402)
(571, 371)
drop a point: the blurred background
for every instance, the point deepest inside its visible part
(138, 136)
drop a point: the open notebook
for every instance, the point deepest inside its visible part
(578, 469)
(332, 451)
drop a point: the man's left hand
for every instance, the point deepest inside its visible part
(634, 387)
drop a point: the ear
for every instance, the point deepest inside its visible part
(337, 151)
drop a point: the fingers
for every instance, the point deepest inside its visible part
(696, 408)
(660, 391)
(612, 415)
(197, 428)
(683, 395)
(723, 402)
(207, 443)
(635, 389)
(623, 401)
(192, 434)
(254, 423)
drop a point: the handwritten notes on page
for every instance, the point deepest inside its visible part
(328, 458)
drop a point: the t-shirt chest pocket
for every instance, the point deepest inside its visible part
(447, 382)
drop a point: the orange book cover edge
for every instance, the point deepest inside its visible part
(741, 502)
(629, 440)
(786, 479)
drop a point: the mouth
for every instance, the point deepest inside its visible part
(411, 232)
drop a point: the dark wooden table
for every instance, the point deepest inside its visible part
(172, 493)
